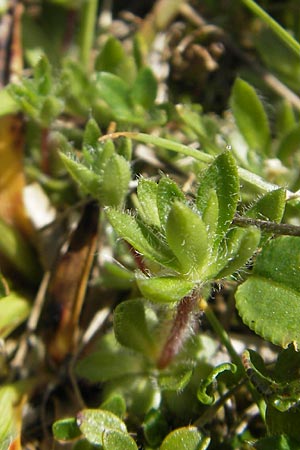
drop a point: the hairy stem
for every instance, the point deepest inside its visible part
(178, 331)
(271, 227)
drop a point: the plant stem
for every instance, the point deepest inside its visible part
(178, 331)
(223, 336)
(244, 174)
(271, 227)
(87, 28)
(281, 32)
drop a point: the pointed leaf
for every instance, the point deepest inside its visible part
(269, 301)
(239, 245)
(164, 289)
(289, 145)
(91, 133)
(187, 237)
(269, 207)
(144, 89)
(128, 228)
(147, 192)
(130, 326)
(167, 193)
(114, 59)
(115, 181)
(248, 112)
(42, 76)
(116, 404)
(86, 178)
(187, 438)
(94, 422)
(114, 91)
(105, 365)
(211, 213)
(221, 176)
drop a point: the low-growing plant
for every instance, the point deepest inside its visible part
(128, 345)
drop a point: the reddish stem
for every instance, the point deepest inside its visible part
(178, 331)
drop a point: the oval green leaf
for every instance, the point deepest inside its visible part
(115, 440)
(269, 301)
(94, 422)
(147, 192)
(130, 326)
(187, 237)
(66, 429)
(167, 193)
(164, 289)
(114, 181)
(187, 438)
(222, 177)
(248, 112)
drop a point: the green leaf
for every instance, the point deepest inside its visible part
(286, 422)
(187, 237)
(269, 301)
(285, 118)
(248, 111)
(114, 91)
(91, 134)
(116, 404)
(221, 176)
(50, 108)
(94, 422)
(211, 213)
(66, 429)
(15, 309)
(11, 396)
(17, 250)
(187, 438)
(238, 246)
(167, 193)
(116, 440)
(277, 443)
(129, 228)
(8, 104)
(42, 76)
(130, 326)
(164, 289)
(147, 206)
(3, 287)
(109, 362)
(175, 380)
(86, 178)
(155, 427)
(115, 181)
(144, 89)
(289, 145)
(269, 207)
(115, 60)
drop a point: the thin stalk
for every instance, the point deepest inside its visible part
(178, 331)
(87, 30)
(246, 175)
(221, 333)
(281, 32)
(271, 227)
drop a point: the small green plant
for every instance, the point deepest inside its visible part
(188, 207)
